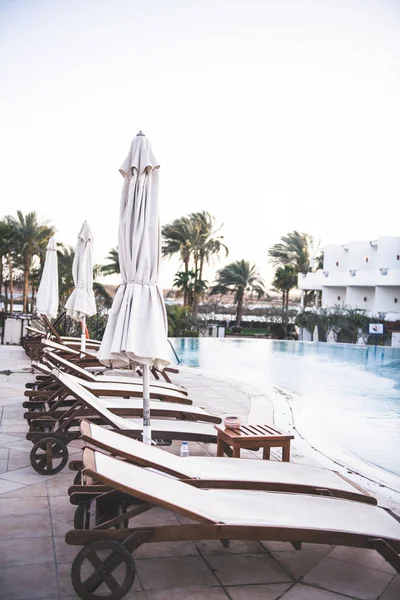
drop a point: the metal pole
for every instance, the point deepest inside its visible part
(302, 300)
(83, 335)
(146, 405)
(173, 350)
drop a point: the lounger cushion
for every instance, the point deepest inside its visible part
(250, 508)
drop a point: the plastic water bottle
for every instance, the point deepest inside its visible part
(184, 449)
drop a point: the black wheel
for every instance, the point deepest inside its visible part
(103, 570)
(49, 456)
(79, 516)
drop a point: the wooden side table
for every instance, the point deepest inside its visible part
(230, 441)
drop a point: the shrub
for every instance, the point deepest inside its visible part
(236, 329)
(345, 322)
(181, 320)
(190, 333)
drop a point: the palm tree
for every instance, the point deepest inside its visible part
(101, 295)
(237, 278)
(113, 266)
(285, 280)
(299, 251)
(190, 285)
(35, 277)
(3, 249)
(183, 281)
(66, 256)
(178, 239)
(194, 238)
(295, 249)
(205, 244)
(31, 237)
(6, 254)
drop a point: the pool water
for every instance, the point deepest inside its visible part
(349, 394)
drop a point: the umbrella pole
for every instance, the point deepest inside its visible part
(146, 405)
(83, 335)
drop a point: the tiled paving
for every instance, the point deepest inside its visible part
(35, 513)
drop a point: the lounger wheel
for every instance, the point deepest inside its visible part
(103, 570)
(79, 516)
(49, 456)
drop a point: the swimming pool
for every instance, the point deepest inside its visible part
(345, 396)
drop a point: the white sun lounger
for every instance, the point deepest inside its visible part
(105, 377)
(75, 369)
(51, 437)
(214, 514)
(68, 341)
(179, 430)
(91, 357)
(121, 406)
(223, 472)
(104, 388)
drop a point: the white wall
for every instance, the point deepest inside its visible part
(396, 339)
(330, 296)
(384, 299)
(355, 278)
(310, 281)
(388, 251)
(355, 297)
(358, 253)
(335, 253)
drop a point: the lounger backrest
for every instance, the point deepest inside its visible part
(35, 330)
(89, 400)
(41, 367)
(122, 387)
(84, 374)
(51, 328)
(353, 523)
(61, 347)
(153, 488)
(68, 349)
(143, 454)
(76, 369)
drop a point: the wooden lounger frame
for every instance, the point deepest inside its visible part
(43, 381)
(52, 397)
(51, 437)
(108, 528)
(55, 402)
(83, 490)
(85, 359)
(73, 368)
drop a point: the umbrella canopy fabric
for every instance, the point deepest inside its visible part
(137, 327)
(47, 296)
(81, 302)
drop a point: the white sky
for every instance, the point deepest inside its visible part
(272, 115)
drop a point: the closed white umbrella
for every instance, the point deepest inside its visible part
(315, 334)
(47, 296)
(81, 303)
(136, 332)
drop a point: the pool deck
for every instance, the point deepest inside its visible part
(35, 513)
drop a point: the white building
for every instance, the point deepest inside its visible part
(363, 275)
